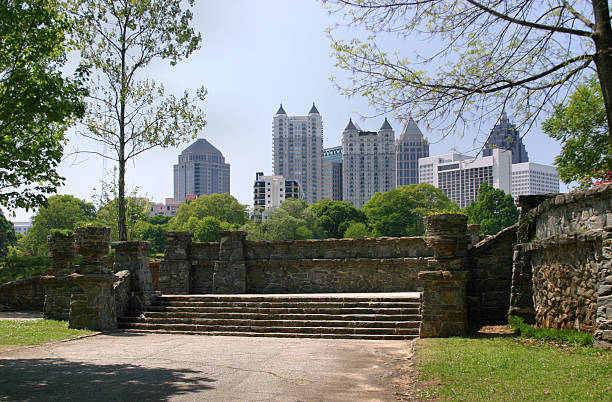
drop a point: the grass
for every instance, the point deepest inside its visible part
(35, 332)
(567, 336)
(511, 369)
(15, 268)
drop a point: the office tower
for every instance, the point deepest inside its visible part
(534, 178)
(201, 169)
(460, 176)
(332, 173)
(505, 136)
(269, 192)
(409, 147)
(368, 162)
(298, 146)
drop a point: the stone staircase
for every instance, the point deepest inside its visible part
(356, 316)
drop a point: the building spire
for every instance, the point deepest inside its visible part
(386, 125)
(313, 109)
(281, 110)
(350, 125)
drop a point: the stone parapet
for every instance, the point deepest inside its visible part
(92, 302)
(603, 325)
(62, 251)
(446, 234)
(229, 275)
(175, 270)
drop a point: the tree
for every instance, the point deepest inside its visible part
(293, 220)
(223, 207)
(581, 127)
(119, 39)
(60, 212)
(357, 230)
(482, 56)
(336, 216)
(7, 235)
(495, 210)
(399, 212)
(37, 103)
(136, 209)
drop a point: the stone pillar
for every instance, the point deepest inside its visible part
(175, 270)
(444, 298)
(444, 306)
(133, 256)
(92, 302)
(57, 288)
(473, 234)
(603, 325)
(229, 275)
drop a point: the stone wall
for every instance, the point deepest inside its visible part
(299, 266)
(25, 294)
(490, 262)
(564, 254)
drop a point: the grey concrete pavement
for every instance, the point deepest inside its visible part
(119, 366)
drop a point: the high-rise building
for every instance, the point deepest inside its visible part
(368, 162)
(534, 178)
(269, 192)
(460, 176)
(409, 147)
(332, 173)
(505, 136)
(201, 169)
(298, 147)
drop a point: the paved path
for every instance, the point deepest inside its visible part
(119, 366)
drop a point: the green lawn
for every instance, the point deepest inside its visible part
(34, 332)
(511, 369)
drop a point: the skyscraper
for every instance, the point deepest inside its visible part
(368, 162)
(505, 136)
(332, 173)
(534, 178)
(201, 169)
(269, 192)
(298, 148)
(409, 147)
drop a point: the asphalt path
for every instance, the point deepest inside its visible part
(136, 367)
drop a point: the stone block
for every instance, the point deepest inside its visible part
(92, 302)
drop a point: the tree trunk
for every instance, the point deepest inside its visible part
(603, 57)
(123, 93)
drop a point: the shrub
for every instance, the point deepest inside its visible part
(15, 268)
(550, 334)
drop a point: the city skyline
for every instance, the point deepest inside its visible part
(288, 62)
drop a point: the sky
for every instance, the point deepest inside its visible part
(256, 54)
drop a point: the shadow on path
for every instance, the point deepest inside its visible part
(59, 379)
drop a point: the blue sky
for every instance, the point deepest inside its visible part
(256, 54)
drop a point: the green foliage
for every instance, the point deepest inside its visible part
(582, 128)
(37, 104)
(7, 235)
(208, 229)
(152, 229)
(135, 212)
(510, 369)
(400, 212)
(15, 268)
(336, 216)
(119, 39)
(481, 57)
(566, 336)
(61, 232)
(223, 207)
(293, 220)
(357, 230)
(60, 212)
(35, 332)
(494, 210)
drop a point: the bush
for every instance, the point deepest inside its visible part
(15, 268)
(567, 336)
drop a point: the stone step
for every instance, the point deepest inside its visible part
(413, 316)
(293, 304)
(286, 310)
(276, 334)
(272, 322)
(267, 329)
(288, 298)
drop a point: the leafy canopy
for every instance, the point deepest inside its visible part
(581, 126)
(127, 112)
(223, 207)
(494, 211)
(37, 104)
(336, 216)
(481, 56)
(399, 212)
(60, 212)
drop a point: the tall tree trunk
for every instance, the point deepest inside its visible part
(123, 94)
(603, 58)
